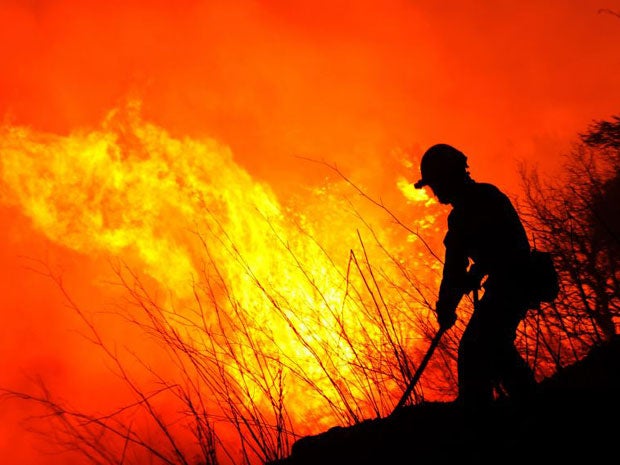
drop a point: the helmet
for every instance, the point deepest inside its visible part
(441, 162)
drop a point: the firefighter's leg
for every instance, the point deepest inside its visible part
(517, 376)
(474, 378)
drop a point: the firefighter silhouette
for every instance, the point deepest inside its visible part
(485, 242)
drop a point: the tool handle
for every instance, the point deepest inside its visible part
(418, 373)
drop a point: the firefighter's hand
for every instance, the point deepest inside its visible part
(446, 317)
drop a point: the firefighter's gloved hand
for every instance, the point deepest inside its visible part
(446, 316)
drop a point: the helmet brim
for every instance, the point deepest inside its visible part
(420, 184)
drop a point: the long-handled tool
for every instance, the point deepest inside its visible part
(427, 357)
(418, 373)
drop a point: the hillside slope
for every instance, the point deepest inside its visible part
(574, 418)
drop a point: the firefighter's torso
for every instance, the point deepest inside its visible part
(485, 226)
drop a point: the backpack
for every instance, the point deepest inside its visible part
(543, 280)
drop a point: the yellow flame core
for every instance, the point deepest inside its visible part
(294, 283)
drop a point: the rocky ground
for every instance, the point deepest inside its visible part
(572, 419)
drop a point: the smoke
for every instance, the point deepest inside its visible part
(322, 79)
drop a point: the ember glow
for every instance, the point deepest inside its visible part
(214, 151)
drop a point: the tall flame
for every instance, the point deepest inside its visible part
(299, 278)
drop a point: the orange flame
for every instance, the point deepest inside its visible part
(300, 277)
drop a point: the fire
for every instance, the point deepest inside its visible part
(321, 292)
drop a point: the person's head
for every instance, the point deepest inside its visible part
(444, 170)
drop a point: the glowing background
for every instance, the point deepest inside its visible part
(361, 85)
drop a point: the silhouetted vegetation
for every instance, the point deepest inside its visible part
(228, 367)
(226, 396)
(576, 216)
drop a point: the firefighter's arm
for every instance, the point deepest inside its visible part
(452, 286)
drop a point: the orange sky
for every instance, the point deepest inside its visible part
(352, 83)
